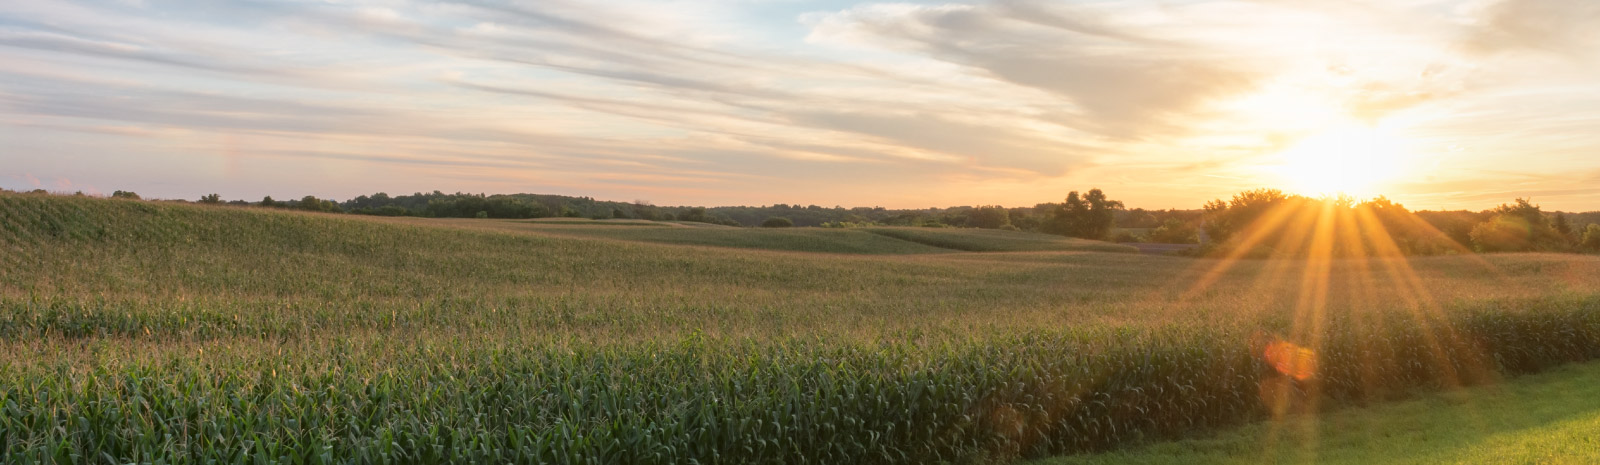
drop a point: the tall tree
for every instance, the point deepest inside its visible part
(1089, 216)
(1516, 227)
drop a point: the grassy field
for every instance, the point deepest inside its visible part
(590, 222)
(1551, 418)
(137, 331)
(992, 240)
(892, 241)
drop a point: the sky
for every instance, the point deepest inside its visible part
(1163, 104)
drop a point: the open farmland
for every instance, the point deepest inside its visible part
(877, 240)
(142, 332)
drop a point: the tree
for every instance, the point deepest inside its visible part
(777, 222)
(1568, 235)
(696, 214)
(312, 203)
(125, 195)
(1224, 219)
(1457, 225)
(1408, 234)
(1022, 218)
(1591, 238)
(1102, 215)
(212, 199)
(988, 217)
(1516, 227)
(268, 202)
(1503, 233)
(1090, 216)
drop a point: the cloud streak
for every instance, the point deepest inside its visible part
(1005, 101)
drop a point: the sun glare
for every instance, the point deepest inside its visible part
(1356, 160)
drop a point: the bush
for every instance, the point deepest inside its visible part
(1175, 231)
(847, 224)
(481, 215)
(777, 222)
(124, 195)
(391, 210)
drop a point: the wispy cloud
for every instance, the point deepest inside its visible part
(718, 101)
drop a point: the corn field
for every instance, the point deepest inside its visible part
(139, 332)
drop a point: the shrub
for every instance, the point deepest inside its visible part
(124, 195)
(777, 222)
(391, 210)
(1175, 231)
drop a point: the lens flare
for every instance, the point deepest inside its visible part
(1291, 360)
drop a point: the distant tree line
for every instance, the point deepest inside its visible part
(1267, 222)
(1257, 222)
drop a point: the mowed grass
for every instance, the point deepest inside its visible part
(136, 331)
(1551, 417)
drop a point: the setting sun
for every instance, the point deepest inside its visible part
(1357, 160)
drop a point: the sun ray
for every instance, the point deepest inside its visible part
(1257, 232)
